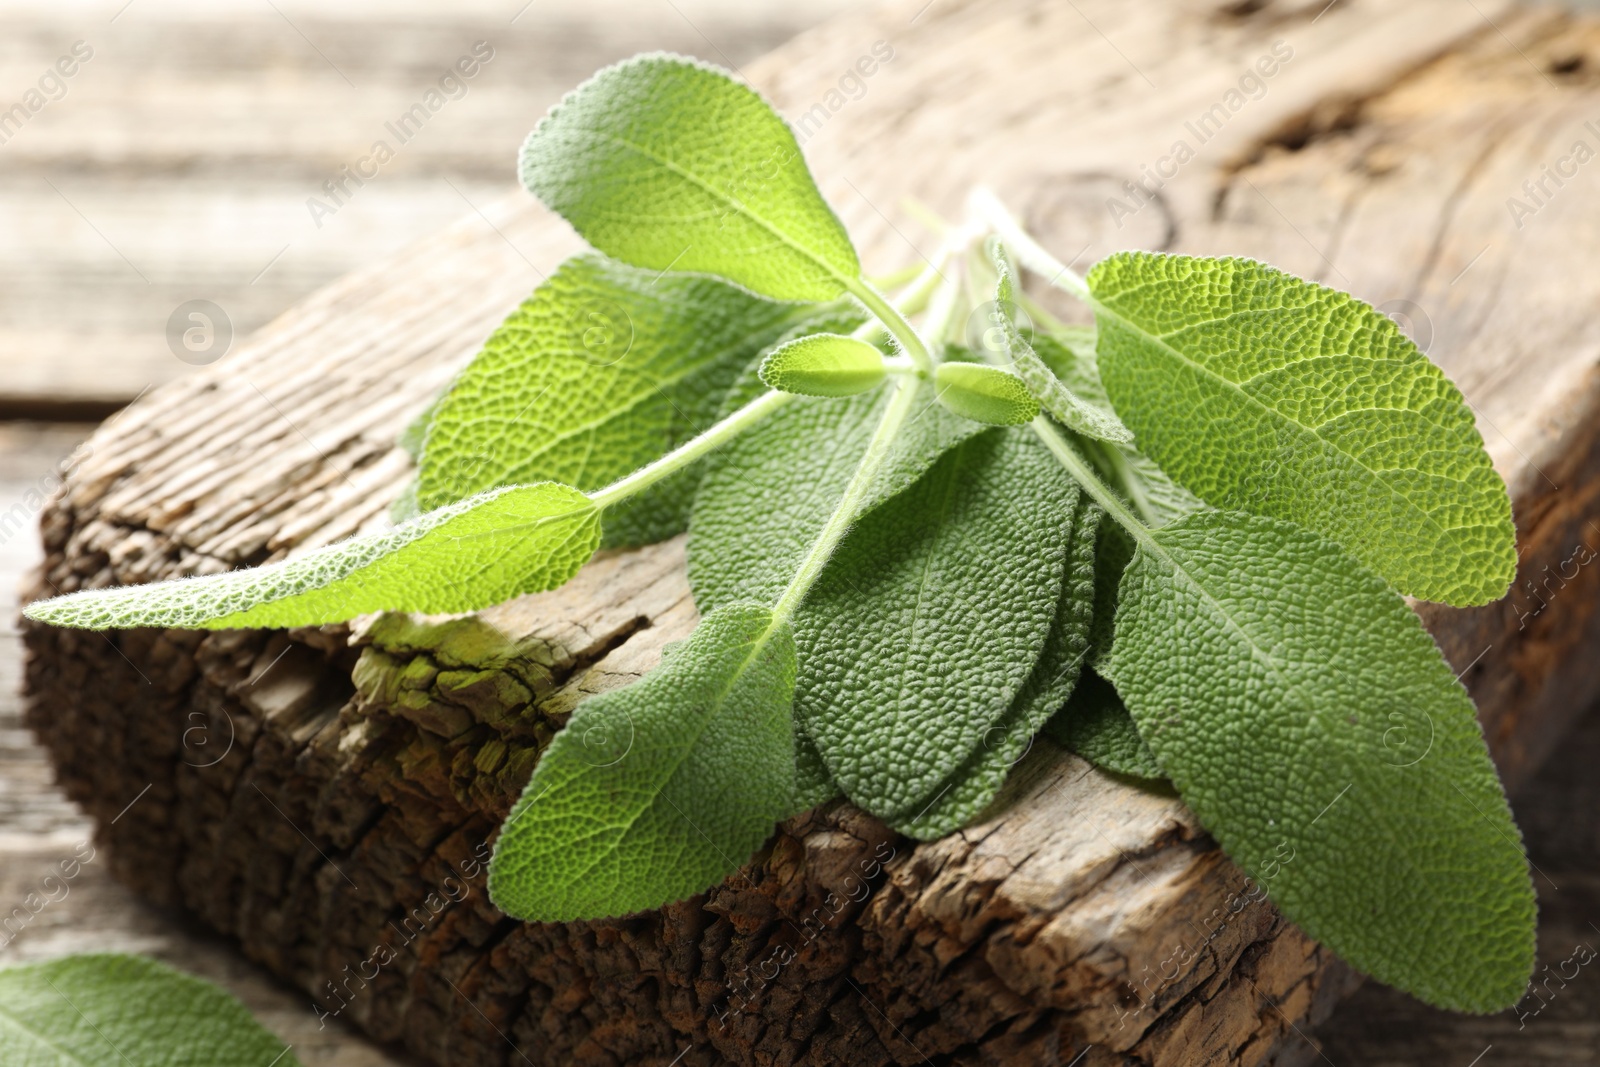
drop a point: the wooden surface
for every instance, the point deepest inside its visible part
(39, 828)
(1388, 146)
(179, 162)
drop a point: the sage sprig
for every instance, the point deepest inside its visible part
(1194, 558)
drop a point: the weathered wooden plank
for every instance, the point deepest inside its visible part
(177, 161)
(1075, 920)
(43, 913)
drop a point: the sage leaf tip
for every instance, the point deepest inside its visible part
(490, 548)
(985, 394)
(668, 163)
(661, 788)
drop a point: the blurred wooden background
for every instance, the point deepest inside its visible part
(176, 163)
(178, 160)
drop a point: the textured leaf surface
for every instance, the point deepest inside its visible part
(602, 370)
(927, 623)
(1070, 356)
(769, 492)
(975, 783)
(984, 394)
(404, 507)
(812, 783)
(415, 433)
(1265, 393)
(824, 364)
(1097, 726)
(657, 790)
(1054, 395)
(666, 163)
(1302, 711)
(1112, 554)
(467, 556)
(103, 1010)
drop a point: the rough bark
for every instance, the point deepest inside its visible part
(324, 796)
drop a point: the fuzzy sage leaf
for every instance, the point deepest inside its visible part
(657, 790)
(482, 551)
(1055, 677)
(824, 364)
(1311, 723)
(669, 164)
(767, 494)
(984, 394)
(125, 1010)
(603, 369)
(1055, 395)
(1265, 393)
(1096, 725)
(1069, 353)
(925, 627)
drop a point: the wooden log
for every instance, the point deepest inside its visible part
(324, 796)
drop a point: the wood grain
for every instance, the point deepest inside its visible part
(1072, 922)
(180, 158)
(43, 917)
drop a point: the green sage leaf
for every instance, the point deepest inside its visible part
(659, 789)
(1265, 393)
(669, 164)
(1096, 725)
(1312, 724)
(1054, 395)
(768, 493)
(824, 364)
(984, 394)
(125, 1010)
(602, 370)
(1054, 678)
(1070, 355)
(460, 558)
(928, 622)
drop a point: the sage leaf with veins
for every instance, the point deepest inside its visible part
(984, 394)
(1054, 678)
(666, 163)
(496, 546)
(603, 369)
(130, 1011)
(1054, 394)
(1069, 353)
(824, 364)
(1096, 725)
(661, 788)
(767, 494)
(1265, 393)
(1297, 703)
(927, 623)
